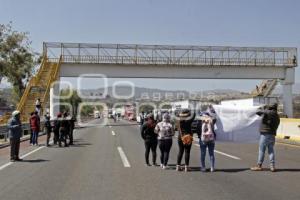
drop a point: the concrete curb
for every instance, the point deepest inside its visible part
(288, 141)
(293, 140)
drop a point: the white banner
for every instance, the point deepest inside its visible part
(237, 124)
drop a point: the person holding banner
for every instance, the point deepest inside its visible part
(269, 124)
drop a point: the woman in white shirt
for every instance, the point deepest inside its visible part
(165, 132)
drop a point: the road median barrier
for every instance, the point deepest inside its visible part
(289, 131)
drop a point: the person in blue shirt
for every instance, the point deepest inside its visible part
(15, 133)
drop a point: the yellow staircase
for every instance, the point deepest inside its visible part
(38, 87)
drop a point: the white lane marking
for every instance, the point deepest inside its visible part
(23, 156)
(31, 152)
(5, 165)
(228, 155)
(224, 154)
(123, 157)
(113, 133)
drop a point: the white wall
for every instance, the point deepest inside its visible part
(239, 102)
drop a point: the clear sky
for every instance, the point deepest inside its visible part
(181, 22)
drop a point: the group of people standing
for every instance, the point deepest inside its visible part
(161, 134)
(62, 128)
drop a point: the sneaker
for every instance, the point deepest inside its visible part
(256, 168)
(19, 159)
(178, 168)
(212, 169)
(164, 167)
(148, 165)
(186, 168)
(203, 169)
(161, 165)
(272, 169)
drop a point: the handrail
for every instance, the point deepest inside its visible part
(57, 69)
(31, 83)
(53, 77)
(196, 61)
(270, 87)
(43, 64)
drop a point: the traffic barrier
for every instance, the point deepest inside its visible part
(289, 129)
(4, 131)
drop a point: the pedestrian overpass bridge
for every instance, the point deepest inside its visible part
(159, 61)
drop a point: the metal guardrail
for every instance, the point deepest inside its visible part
(170, 54)
(178, 61)
(4, 130)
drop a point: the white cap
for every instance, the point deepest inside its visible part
(16, 112)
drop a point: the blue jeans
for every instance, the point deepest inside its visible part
(266, 141)
(35, 135)
(211, 148)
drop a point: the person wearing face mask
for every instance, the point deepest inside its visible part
(150, 139)
(165, 131)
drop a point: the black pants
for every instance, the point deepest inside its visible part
(30, 137)
(48, 133)
(62, 137)
(14, 148)
(183, 149)
(56, 136)
(165, 147)
(71, 136)
(150, 144)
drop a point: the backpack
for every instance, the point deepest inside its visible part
(207, 133)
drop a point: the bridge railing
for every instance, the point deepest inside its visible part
(178, 61)
(171, 54)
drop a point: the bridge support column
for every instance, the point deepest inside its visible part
(287, 97)
(54, 100)
(287, 92)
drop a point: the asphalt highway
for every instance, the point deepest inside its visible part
(107, 162)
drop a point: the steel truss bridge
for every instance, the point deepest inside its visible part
(171, 55)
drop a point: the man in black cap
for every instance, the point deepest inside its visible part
(269, 124)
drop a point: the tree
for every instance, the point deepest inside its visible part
(87, 110)
(17, 60)
(74, 100)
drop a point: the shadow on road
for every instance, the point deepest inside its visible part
(35, 161)
(121, 124)
(82, 144)
(287, 170)
(194, 169)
